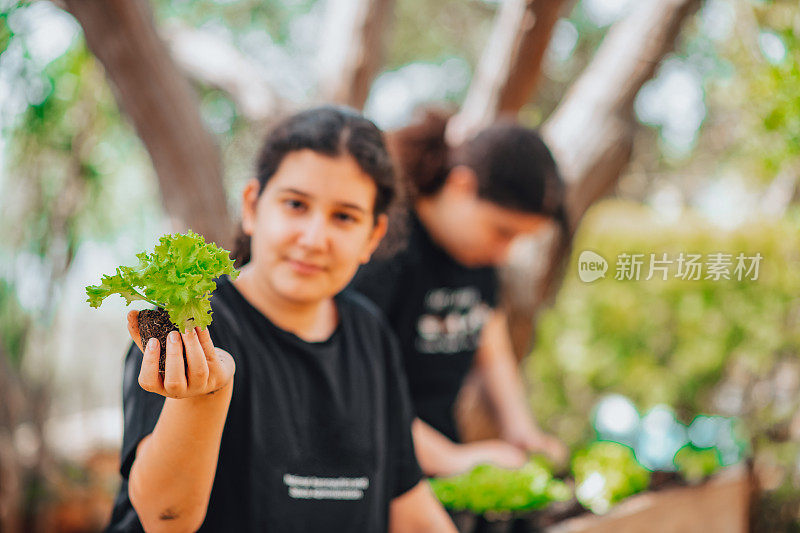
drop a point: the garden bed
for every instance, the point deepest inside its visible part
(719, 505)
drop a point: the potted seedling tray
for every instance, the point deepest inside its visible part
(490, 499)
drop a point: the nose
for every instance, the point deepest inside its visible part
(313, 234)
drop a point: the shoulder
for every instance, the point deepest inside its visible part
(367, 318)
(381, 280)
(368, 324)
(362, 308)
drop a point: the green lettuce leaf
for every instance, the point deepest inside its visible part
(177, 276)
(492, 489)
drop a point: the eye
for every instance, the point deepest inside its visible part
(294, 204)
(344, 217)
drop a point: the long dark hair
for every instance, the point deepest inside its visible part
(332, 131)
(514, 167)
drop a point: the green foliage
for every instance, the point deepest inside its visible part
(68, 154)
(488, 488)
(687, 344)
(177, 276)
(758, 105)
(605, 473)
(5, 32)
(773, 91)
(725, 347)
(696, 464)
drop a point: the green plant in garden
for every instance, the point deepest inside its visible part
(177, 277)
(696, 464)
(727, 347)
(488, 488)
(698, 346)
(605, 473)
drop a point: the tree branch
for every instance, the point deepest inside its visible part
(351, 49)
(510, 67)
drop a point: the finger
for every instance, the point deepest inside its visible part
(511, 457)
(174, 375)
(205, 342)
(133, 329)
(149, 379)
(196, 366)
(225, 363)
(209, 351)
(518, 460)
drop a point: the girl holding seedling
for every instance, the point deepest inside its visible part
(440, 292)
(289, 411)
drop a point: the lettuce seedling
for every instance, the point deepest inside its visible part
(491, 489)
(605, 473)
(177, 277)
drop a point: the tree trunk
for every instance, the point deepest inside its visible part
(596, 113)
(510, 67)
(164, 110)
(352, 49)
(591, 136)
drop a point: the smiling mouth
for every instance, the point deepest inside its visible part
(303, 267)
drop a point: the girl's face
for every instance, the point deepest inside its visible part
(478, 232)
(312, 226)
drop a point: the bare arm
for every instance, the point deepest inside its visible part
(418, 511)
(435, 452)
(439, 456)
(498, 366)
(171, 478)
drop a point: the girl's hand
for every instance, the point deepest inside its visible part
(207, 368)
(496, 452)
(532, 440)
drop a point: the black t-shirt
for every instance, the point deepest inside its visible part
(437, 307)
(318, 434)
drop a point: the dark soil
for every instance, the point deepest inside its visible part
(156, 323)
(665, 480)
(523, 522)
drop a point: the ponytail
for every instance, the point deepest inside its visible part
(421, 153)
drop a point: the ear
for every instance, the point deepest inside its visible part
(378, 233)
(462, 179)
(249, 203)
